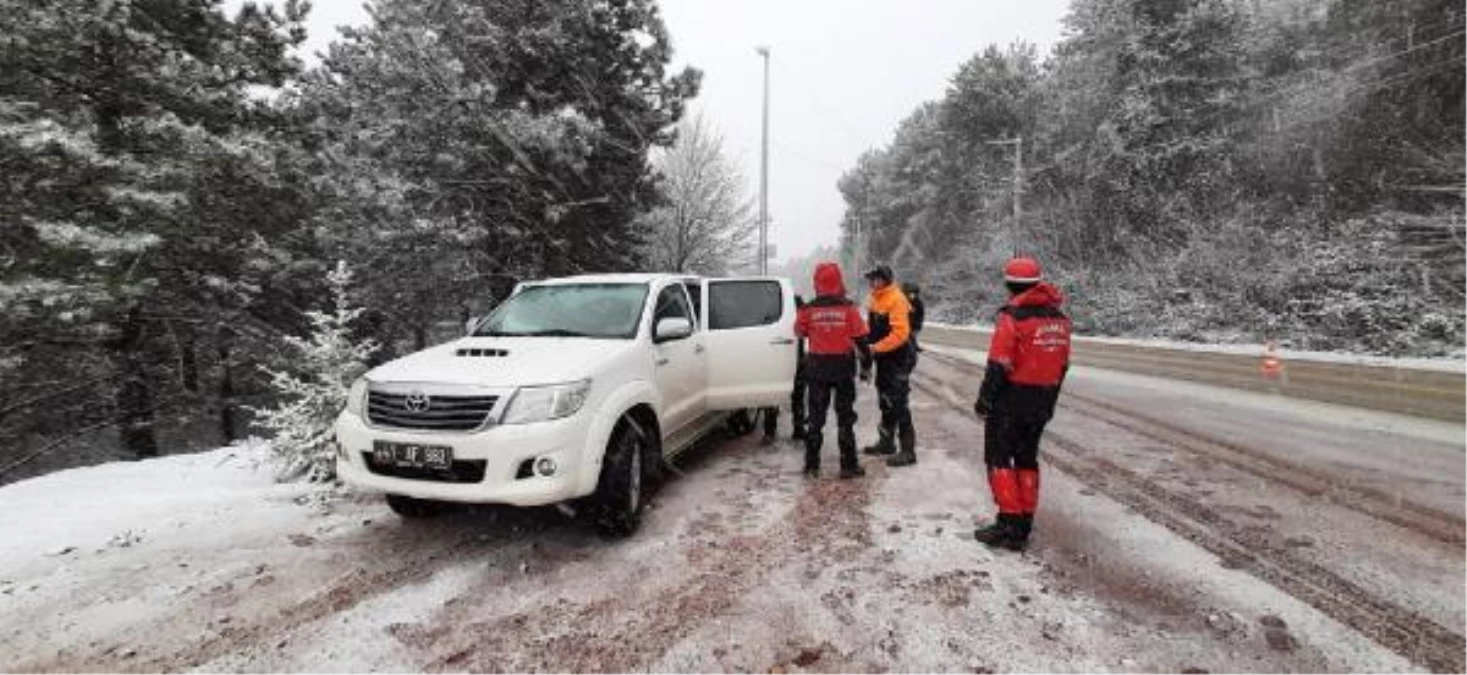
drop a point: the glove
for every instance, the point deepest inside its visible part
(980, 409)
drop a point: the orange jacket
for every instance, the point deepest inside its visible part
(889, 319)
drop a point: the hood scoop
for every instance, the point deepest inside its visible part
(481, 351)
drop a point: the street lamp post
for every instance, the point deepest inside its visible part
(763, 51)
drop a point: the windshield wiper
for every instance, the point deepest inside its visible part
(556, 332)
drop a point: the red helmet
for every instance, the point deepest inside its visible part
(1022, 271)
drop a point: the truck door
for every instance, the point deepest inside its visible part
(749, 327)
(681, 363)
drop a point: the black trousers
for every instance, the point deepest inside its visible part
(1011, 442)
(820, 393)
(894, 387)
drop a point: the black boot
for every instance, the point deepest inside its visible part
(799, 433)
(812, 454)
(1003, 533)
(1023, 525)
(852, 471)
(908, 455)
(883, 445)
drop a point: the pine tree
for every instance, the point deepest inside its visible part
(314, 391)
(115, 119)
(466, 143)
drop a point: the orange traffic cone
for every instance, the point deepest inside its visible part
(1271, 366)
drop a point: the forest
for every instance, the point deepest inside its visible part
(178, 185)
(1216, 171)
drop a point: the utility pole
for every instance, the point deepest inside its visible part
(1018, 143)
(763, 51)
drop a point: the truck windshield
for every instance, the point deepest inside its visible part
(605, 311)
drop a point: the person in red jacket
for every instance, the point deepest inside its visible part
(834, 333)
(1027, 362)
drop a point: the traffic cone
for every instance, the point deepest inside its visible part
(1271, 367)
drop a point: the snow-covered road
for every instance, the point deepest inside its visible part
(1182, 528)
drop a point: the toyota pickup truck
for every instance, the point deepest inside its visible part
(573, 391)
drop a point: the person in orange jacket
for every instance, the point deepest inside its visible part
(889, 320)
(1028, 358)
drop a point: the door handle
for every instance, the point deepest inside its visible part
(662, 362)
(698, 349)
(782, 341)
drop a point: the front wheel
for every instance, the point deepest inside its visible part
(618, 501)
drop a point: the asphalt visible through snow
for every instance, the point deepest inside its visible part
(1181, 529)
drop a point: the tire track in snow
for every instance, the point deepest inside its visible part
(629, 630)
(1431, 523)
(1397, 628)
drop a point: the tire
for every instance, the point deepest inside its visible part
(413, 508)
(620, 496)
(740, 423)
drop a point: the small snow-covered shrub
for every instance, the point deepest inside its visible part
(314, 391)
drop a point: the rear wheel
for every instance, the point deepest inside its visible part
(412, 507)
(620, 491)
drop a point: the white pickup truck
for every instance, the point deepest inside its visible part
(571, 390)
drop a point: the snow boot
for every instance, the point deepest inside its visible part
(798, 434)
(1023, 525)
(884, 444)
(848, 472)
(811, 471)
(908, 455)
(1003, 533)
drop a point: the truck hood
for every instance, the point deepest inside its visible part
(504, 362)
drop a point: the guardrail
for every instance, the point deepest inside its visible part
(1434, 394)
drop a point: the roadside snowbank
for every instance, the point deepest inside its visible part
(123, 504)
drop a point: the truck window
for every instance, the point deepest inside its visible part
(742, 304)
(672, 303)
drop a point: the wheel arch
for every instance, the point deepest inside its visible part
(637, 399)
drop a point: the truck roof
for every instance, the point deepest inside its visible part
(610, 279)
(630, 278)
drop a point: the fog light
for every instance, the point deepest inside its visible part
(545, 466)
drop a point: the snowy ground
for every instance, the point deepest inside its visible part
(1278, 550)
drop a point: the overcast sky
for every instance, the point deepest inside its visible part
(843, 73)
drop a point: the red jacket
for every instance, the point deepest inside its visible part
(832, 327)
(1028, 355)
(1032, 338)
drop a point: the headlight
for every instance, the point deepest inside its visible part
(356, 399)
(540, 404)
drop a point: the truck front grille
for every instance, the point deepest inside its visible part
(428, 411)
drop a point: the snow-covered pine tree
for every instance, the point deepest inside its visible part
(315, 390)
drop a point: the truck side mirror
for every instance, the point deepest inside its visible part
(670, 329)
(471, 324)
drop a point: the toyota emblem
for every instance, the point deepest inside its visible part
(417, 401)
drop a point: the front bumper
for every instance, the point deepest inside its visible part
(503, 451)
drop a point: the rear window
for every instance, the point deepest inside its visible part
(742, 304)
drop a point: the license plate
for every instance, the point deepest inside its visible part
(413, 455)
